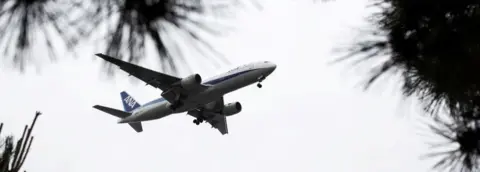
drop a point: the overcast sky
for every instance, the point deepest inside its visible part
(309, 116)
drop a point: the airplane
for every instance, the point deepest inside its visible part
(201, 100)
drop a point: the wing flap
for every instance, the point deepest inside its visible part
(220, 123)
(216, 120)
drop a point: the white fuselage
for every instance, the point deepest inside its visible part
(218, 86)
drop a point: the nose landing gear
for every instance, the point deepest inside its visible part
(260, 79)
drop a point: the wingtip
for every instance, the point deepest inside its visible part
(108, 58)
(103, 56)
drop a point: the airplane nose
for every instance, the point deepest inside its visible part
(271, 67)
(274, 66)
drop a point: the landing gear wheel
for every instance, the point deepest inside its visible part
(196, 121)
(259, 85)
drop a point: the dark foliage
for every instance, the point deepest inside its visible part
(435, 45)
(132, 23)
(462, 143)
(13, 156)
(22, 22)
(169, 25)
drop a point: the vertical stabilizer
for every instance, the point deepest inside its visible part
(129, 104)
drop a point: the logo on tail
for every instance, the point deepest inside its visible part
(129, 103)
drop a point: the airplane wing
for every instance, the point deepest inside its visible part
(217, 120)
(155, 79)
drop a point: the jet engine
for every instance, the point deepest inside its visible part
(191, 82)
(232, 109)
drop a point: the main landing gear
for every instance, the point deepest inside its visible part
(197, 121)
(200, 118)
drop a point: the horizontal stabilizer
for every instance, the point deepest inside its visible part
(111, 111)
(137, 126)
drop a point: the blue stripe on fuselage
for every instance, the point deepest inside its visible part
(211, 82)
(161, 99)
(221, 79)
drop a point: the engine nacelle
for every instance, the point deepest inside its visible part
(191, 82)
(232, 109)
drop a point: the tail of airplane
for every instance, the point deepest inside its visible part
(129, 104)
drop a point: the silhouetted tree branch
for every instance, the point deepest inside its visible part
(460, 147)
(13, 155)
(435, 45)
(23, 22)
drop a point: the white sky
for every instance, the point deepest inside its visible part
(309, 116)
